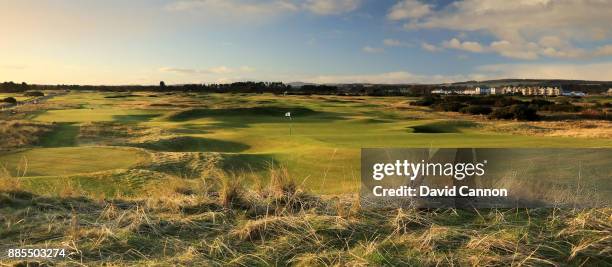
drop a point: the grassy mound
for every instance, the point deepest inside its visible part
(192, 114)
(192, 144)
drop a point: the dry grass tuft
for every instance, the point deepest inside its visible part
(18, 133)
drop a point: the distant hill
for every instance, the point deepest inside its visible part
(300, 84)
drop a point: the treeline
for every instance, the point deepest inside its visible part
(270, 87)
(238, 87)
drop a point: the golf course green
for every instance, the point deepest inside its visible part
(319, 145)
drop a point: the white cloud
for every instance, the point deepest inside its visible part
(369, 49)
(513, 50)
(454, 43)
(392, 42)
(605, 50)
(331, 7)
(247, 69)
(522, 50)
(525, 29)
(235, 8)
(430, 47)
(212, 70)
(219, 70)
(590, 71)
(179, 70)
(396, 43)
(262, 9)
(408, 9)
(397, 77)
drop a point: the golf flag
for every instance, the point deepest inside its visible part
(288, 114)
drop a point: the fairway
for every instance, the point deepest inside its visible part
(70, 160)
(249, 134)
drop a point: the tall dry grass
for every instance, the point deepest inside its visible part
(17, 133)
(218, 220)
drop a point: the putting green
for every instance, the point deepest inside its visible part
(70, 160)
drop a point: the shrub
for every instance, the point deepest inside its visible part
(10, 99)
(449, 106)
(506, 101)
(522, 112)
(425, 102)
(518, 112)
(538, 102)
(502, 113)
(476, 110)
(563, 108)
(34, 93)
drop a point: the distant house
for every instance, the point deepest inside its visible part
(482, 91)
(610, 92)
(441, 92)
(508, 90)
(574, 93)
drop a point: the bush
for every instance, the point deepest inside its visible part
(10, 99)
(476, 110)
(523, 113)
(425, 102)
(34, 93)
(502, 113)
(593, 114)
(562, 108)
(518, 112)
(449, 106)
(506, 101)
(539, 103)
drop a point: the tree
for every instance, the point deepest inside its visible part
(162, 84)
(10, 99)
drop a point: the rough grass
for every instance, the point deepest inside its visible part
(227, 224)
(18, 133)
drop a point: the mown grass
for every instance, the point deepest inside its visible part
(320, 145)
(70, 160)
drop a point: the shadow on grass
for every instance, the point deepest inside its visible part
(62, 135)
(134, 117)
(193, 144)
(442, 127)
(253, 112)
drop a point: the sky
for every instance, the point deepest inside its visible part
(118, 42)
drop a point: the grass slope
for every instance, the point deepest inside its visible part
(70, 160)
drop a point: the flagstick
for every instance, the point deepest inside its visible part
(288, 114)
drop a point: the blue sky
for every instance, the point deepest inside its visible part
(325, 41)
